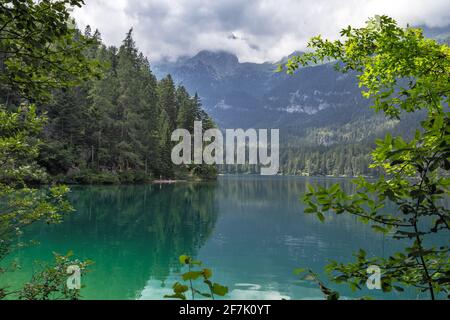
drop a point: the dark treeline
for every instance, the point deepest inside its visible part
(339, 160)
(343, 150)
(117, 128)
(305, 160)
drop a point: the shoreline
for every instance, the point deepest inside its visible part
(167, 181)
(176, 181)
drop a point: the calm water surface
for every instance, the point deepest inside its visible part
(250, 230)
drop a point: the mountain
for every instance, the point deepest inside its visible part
(441, 34)
(248, 95)
(251, 95)
(326, 126)
(254, 95)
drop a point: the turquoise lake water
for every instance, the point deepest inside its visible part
(250, 230)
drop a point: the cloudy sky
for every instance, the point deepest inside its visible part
(256, 31)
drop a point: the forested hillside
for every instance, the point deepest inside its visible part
(117, 128)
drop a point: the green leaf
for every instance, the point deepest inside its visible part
(191, 275)
(381, 229)
(299, 271)
(207, 273)
(219, 289)
(321, 216)
(184, 259)
(180, 288)
(310, 210)
(175, 296)
(335, 188)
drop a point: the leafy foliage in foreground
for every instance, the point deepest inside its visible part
(21, 204)
(39, 51)
(50, 282)
(179, 289)
(400, 71)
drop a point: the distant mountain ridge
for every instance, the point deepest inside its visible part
(253, 95)
(319, 111)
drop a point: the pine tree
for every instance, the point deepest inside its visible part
(167, 100)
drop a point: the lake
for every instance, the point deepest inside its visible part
(250, 230)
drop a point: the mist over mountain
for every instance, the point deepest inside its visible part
(254, 95)
(320, 112)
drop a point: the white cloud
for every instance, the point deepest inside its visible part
(263, 30)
